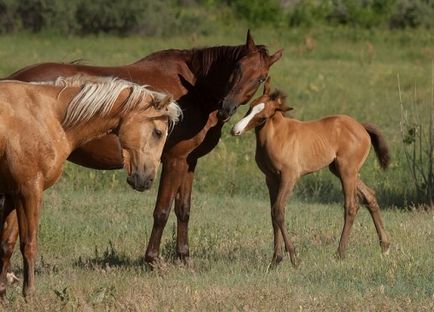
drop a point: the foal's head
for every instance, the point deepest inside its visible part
(261, 109)
(249, 72)
(142, 135)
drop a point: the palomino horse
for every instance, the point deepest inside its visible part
(209, 84)
(287, 149)
(40, 125)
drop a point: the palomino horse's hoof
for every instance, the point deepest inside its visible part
(11, 278)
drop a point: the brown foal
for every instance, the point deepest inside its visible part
(287, 149)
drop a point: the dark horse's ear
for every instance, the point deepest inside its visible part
(267, 86)
(275, 57)
(250, 44)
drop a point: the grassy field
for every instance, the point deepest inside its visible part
(94, 229)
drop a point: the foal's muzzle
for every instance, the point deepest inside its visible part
(140, 182)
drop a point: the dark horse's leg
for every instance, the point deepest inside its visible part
(9, 236)
(173, 174)
(182, 210)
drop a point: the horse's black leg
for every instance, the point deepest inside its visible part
(182, 210)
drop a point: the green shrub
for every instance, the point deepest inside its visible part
(8, 20)
(412, 14)
(257, 12)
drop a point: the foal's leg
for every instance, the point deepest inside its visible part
(368, 197)
(182, 211)
(273, 185)
(278, 212)
(28, 211)
(9, 235)
(348, 179)
(173, 173)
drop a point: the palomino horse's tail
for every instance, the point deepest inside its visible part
(379, 143)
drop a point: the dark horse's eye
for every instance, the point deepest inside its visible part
(261, 80)
(157, 133)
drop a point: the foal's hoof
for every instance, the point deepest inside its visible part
(385, 248)
(340, 255)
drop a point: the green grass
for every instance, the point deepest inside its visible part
(94, 229)
(92, 243)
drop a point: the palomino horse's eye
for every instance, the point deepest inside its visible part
(157, 133)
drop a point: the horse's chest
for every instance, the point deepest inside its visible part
(266, 162)
(35, 151)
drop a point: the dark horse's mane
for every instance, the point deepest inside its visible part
(201, 59)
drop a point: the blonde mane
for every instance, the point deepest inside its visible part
(98, 95)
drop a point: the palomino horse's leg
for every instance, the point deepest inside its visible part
(367, 195)
(9, 235)
(278, 213)
(182, 210)
(273, 185)
(28, 211)
(173, 173)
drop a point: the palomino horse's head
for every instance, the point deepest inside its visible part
(261, 109)
(142, 135)
(249, 72)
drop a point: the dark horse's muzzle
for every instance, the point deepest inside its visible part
(140, 182)
(228, 108)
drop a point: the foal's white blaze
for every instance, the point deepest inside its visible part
(242, 124)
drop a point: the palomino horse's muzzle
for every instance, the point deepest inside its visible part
(140, 182)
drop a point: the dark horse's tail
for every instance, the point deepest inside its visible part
(379, 143)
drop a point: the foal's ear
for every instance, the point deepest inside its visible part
(267, 86)
(250, 44)
(275, 57)
(283, 108)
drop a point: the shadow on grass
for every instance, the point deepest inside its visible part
(110, 258)
(323, 190)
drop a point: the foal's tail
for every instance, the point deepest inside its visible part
(379, 143)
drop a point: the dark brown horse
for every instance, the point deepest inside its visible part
(209, 84)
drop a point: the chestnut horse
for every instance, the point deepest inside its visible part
(287, 149)
(209, 84)
(40, 125)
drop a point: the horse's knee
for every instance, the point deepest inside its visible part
(161, 216)
(182, 210)
(7, 248)
(29, 249)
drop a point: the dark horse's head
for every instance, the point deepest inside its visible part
(250, 70)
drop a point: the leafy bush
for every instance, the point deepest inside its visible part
(257, 12)
(412, 14)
